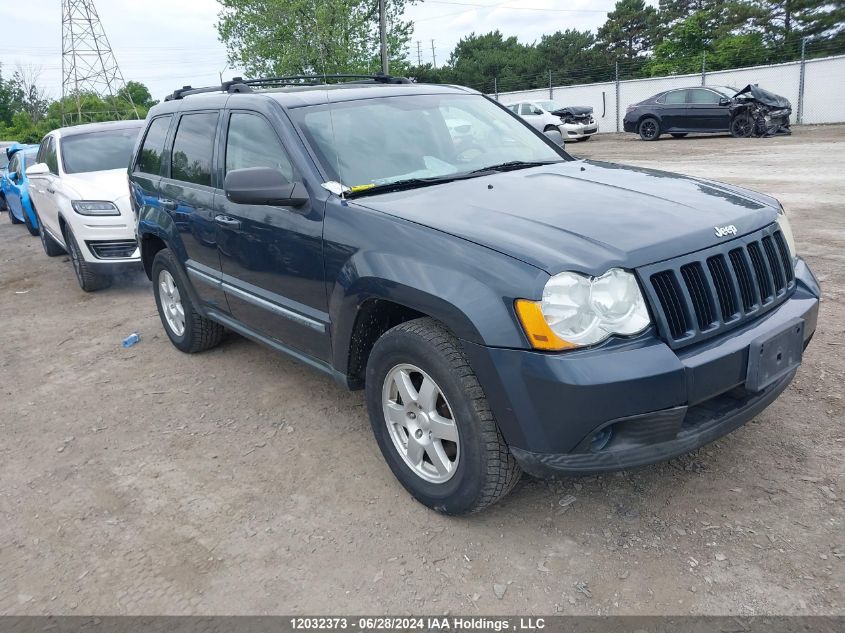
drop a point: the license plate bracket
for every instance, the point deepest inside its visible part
(773, 356)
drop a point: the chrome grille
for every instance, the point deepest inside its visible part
(702, 294)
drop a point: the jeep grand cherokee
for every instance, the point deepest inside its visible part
(504, 306)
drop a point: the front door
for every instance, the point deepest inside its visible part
(705, 113)
(271, 257)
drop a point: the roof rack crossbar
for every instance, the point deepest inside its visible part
(239, 85)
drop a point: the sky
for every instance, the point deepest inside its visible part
(170, 43)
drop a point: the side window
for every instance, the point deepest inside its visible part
(514, 108)
(675, 97)
(50, 156)
(525, 109)
(15, 163)
(699, 95)
(190, 160)
(152, 151)
(252, 142)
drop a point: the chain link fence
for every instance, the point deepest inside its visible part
(814, 83)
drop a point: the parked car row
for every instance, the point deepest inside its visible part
(504, 306)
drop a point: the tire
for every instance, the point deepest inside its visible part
(649, 129)
(742, 126)
(51, 247)
(483, 469)
(32, 230)
(12, 217)
(198, 333)
(89, 280)
(679, 134)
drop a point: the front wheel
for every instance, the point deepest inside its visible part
(432, 422)
(186, 328)
(89, 280)
(649, 129)
(33, 230)
(12, 217)
(742, 126)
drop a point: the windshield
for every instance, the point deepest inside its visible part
(373, 142)
(549, 106)
(98, 151)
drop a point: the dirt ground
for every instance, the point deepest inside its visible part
(146, 481)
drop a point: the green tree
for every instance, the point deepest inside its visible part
(289, 37)
(138, 94)
(629, 31)
(572, 57)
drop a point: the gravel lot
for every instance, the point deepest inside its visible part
(146, 481)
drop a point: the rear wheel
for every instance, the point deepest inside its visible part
(679, 134)
(649, 129)
(432, 422)
(186, 328)
(742, 126)
(89, 280)
(29, 226)
(12, 217)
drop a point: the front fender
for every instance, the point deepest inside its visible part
(469, 288)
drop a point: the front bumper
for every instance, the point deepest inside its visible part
(578, 130)
(660, 403)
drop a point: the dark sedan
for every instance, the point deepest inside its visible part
(681, 111)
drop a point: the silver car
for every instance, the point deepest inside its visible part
(576, 123)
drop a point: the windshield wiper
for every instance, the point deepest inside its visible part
(515, 164)
(407, 183)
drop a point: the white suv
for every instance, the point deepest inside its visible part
(80, 191)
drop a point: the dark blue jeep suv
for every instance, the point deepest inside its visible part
(506, 307)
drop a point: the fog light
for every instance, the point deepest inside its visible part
(601, 439)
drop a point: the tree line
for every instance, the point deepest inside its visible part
(27, 113)
(285, 37)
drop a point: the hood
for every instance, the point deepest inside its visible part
(764, 96)
(112, 184)
(573, 111)
(584, 216)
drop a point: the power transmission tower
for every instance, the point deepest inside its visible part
(89, 67)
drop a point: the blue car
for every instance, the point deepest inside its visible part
(15, 186)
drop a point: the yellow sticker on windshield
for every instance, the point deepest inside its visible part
(361, 187)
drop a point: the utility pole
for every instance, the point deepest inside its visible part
(419, 53)
(433, 58)
(802, 70)
(89, 65)
(382, 21)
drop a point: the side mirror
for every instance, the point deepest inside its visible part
(263, 185)
(555, 137)
(724, 101)
(38, 169)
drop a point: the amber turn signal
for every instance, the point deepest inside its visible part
(536, 329)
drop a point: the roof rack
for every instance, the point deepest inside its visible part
(241, 85)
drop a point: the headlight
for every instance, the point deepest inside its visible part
(94, 207)
(578, 310)
(786, 229)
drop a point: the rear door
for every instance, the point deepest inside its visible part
(271, 256)
(187, 196)
(673, 110)
(704, 112)
(532, 115)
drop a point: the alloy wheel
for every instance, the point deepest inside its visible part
(420, 423)
(648, 128)
(171, 303)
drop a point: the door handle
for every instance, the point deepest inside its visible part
(167, 204)
(50, 190)
(228, 221)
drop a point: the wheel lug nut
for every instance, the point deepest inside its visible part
(418, 433)
(412, 415)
